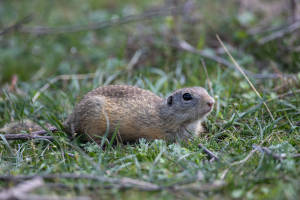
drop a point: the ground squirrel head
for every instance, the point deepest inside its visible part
(188, 104)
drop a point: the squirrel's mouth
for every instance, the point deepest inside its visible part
(205, 113)
(208, 110)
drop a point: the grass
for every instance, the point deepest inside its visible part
(238, 124)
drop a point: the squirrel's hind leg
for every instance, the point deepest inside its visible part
(88, 117)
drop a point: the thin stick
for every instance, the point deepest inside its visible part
(284, 95)
(275, 155)
(246, 77)
(183, 45)
(200, 187)
(281, 33)
(121, 183)
(16, 26)
(105, 24)
(293, 9)
(26, 137)
(245, 159)
(240, 162)
(208, 152)
(33, 135)
(43, 132)
(118, 182)
(21, 189)
(51, 197)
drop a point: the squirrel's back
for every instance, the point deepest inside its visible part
(128, 111)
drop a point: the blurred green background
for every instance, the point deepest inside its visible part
(241, 24)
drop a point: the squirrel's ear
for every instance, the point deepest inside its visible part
(170, 100)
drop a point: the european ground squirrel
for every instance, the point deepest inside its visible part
(134, 113)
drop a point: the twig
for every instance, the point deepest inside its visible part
(43, 132)
(244, 74)
(33, 135)
(284, 95)
(61, 77)
(265, 28)
(293, 8)
(183, 45)
(122, 183)
(16, 26)
(50, 197)
(280, 33)
(118, 182)
(275, 155)
(21, 189)
(26, 137)
(211, 155)
(200, 187)
(175, 187)
(240, 162)
(194, 186)
(245, 159)
(40, 30)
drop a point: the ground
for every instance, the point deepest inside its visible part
(161, 46)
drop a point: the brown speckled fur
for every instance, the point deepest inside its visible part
(136, 113)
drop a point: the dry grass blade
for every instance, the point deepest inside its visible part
(246, 77)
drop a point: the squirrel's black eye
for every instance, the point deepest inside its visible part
(187, 96)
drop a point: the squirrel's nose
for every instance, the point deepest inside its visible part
(211, 102)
